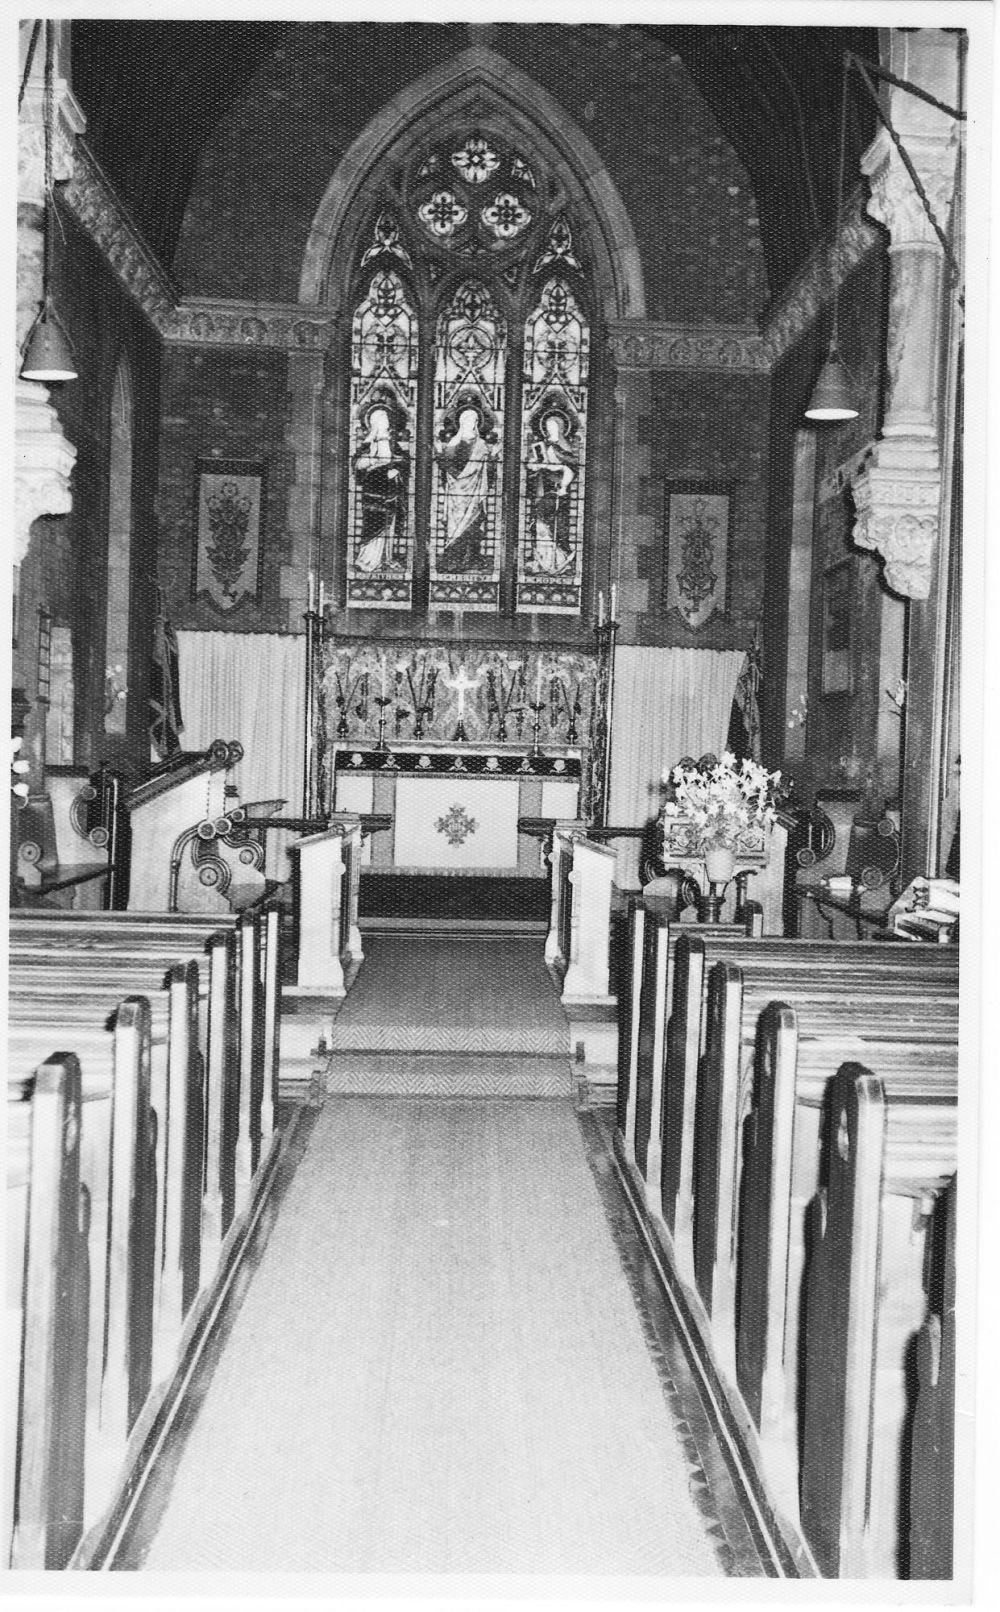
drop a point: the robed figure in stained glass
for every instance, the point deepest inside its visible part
(553, 465)
(382, 469)
(468, 463)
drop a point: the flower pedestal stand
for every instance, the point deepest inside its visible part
(720, 865)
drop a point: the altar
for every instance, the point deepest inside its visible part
(455, 810)
(455, 744)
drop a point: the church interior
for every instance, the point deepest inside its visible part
(484, 846)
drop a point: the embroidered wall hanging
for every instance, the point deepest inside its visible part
(697, 553)
(229, 529)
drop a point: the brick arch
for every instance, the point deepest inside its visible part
(487, 82)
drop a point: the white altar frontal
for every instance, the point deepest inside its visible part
(456, 811)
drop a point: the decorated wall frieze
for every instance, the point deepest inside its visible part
(90, 196)
(251, 324)
(827, 268)
(647, 344)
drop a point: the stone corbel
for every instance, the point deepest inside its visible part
(896, 514)
(43, 462)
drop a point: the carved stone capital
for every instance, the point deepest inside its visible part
(647, 344)
(895, 200)
(43, 462)
(897, 510)
(68, 122)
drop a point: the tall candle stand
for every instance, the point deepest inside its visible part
(536, 707)
(314, 636)
(382, 701)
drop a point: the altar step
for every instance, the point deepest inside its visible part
(434, 1074)
(471, 903)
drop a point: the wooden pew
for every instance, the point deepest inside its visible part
(850, 1445)
(822, 1027)
(781, 1173)
(932, 1457)
(763, 1070)
(53, 1351)
(161, 1222)
(141, 949)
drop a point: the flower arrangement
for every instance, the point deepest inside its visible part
(719, 803)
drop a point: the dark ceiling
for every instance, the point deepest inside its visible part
(154, 91)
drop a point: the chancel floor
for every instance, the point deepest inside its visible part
(450, 1357)
(446, 1015)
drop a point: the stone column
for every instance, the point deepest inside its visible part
(897, 495)
(903, 495)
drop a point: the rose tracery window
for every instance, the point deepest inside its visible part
(469, 388)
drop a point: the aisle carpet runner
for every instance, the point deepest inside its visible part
(437, 1369)
(439, 1015)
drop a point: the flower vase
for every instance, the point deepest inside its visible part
(720, 863)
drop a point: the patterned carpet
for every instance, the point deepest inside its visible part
(437, 1368)
(436, 993)
(444, 1016)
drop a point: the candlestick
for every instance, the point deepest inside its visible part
(600, 608)
(614, 601)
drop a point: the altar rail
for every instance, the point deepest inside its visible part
(736, 1111)
(135, 1164)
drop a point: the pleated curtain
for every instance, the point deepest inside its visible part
(250, 687)
(668, 703)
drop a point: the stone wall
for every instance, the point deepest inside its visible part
(223, 404)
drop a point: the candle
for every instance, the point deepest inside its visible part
(312, 591)
(600, 608)
(614, 601)
(383, 674)
(538, 685)
(322, 595)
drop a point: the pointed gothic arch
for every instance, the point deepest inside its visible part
(481, 86)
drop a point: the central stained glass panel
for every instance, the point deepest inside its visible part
(468, 431)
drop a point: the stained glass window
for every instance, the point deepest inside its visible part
(473, 480)
(553, 456)
(384, 362)
(469, 380)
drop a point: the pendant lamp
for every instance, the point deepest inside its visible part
(834, 395)
(48, 355)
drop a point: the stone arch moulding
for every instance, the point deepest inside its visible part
(487, 82)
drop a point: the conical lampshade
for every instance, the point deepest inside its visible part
(833, 394)
(49, 356)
